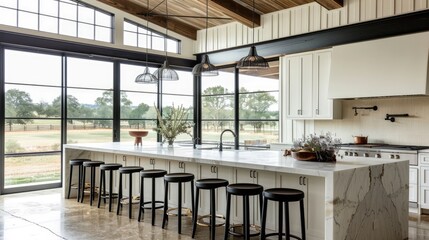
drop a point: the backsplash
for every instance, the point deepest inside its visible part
(413, 130)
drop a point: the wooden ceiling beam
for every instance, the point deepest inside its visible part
(138, 11)
(331, 4)
(236, 11)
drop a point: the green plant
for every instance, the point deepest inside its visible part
(173, 123)
(12, 146)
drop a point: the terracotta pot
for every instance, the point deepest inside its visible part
(360, 139)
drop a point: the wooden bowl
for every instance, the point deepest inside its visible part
(138, 135)
(304, 156)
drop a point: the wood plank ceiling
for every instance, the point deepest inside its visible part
(220, 11)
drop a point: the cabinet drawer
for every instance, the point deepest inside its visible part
(424, 158)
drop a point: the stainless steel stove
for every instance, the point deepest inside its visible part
(384, 151)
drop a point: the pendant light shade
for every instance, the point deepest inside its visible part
(146, 77)
(205, 68)
(165, 73)
(253, 60)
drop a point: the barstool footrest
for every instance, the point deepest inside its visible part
(255, 227)
(207, 224)
(186, 212)
(156, 207)
(106, 196)
(283, 234)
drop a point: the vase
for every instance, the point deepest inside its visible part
(170, 143)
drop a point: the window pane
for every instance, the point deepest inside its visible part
(103, 34)
(130, 39)
(36, 135)
(211, 131)
(85, 31)
(49, 7)
(138, 105)
(261, 105)
(259, 133)
(172, 46)
(89, 131)
(225, 80)
(218, 107)
(30, 6)
(86, 14)
(68, 28)
(128, 76)
(8, 17)
(103, 19)
(9, 3)
(48, 24)
(144, 41)
(89, 73)
(130, 27)
(143, 31)
(32, 102)
(31, 170)
(185, 101)
(184, 86)
(28, 20)
(84, 103)
(68, 11)
(132, 125)
(158, 43)
(40, 69)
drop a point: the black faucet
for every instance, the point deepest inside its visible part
(235, 139)
(195, 142)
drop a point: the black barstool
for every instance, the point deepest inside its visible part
(127, 170)
(103, 168)
(283, 196)
(177, 178)
(92, 165)
(152, 173)
(78, 163)
(209, 184)
(245, 190)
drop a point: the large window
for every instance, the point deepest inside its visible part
(65, 17)
(89, 100)
(137, 35)
(33, 119)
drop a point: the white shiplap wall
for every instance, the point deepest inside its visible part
(303, 19)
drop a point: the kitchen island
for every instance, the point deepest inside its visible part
(362, 199)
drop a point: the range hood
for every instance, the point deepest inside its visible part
(396, 66)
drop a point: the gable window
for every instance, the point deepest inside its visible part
(64, 17)
(137, 35)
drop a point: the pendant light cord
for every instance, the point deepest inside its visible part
(147, 32)
(166, 28)
(253, 22)
(207, 21)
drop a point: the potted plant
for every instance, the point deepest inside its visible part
(173, 123)
(316, 147)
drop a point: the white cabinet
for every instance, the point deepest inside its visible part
(423, 184)
(413, 190)
(306, 80)
(181, 167)
(264, 178)
(314, 196)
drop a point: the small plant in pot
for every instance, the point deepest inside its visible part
(320, 148)
(173, 123)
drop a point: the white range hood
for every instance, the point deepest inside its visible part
(395, 66)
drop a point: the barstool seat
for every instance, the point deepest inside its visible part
(177, 178)
(127, 170)
(76, 162)
(151, 173)
(245, 190)
(283, 196)
(208, 184)
(92, 165)
(103, 168)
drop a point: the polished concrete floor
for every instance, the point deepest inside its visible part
(47, 215)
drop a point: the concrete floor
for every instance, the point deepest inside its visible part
(47, 215)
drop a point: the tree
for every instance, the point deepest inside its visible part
(20, 105)
(105, 106)
(258, 105)
(217, 104)
(138, 113)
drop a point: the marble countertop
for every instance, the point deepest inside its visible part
(257, 159)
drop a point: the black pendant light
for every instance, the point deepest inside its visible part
(165, 72)
(253, 60)
(205, 68)
(146, 76)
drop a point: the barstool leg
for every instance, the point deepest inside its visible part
(119, 193)
(153, 201)
(141, 198)
(246, 220)
(79, 183)
(70, 182)
(213, 214)
(192, 198)
(82, 196)
(195, 213)
(164, 215)
(280, 220)
(179, 210)
(91, 189)
(264, 218)
(110, 189)
(287, 220)
(104, 187)
(228, 211)
(100, 185)
(130, 197)
(301, 206)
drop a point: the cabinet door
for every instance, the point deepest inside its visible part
(306, 86)
(148, 164)
(242, 175)
(175, 167)
(323, 106)
(226, 173)
(424, 176)
(127, 160)
(205, 171)
(292, 74)
(424, 197)
(268, 180)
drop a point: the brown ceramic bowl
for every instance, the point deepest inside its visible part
(140, 133)
(304, 155)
